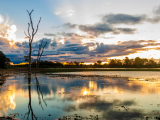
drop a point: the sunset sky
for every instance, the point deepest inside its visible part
(82, 30)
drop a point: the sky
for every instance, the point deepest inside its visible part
(81, 30)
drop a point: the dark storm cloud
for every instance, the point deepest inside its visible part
(66, 42)
(49, 34)
(74, 51)
(18, 44)
(66, 25)
(96, 29)
(36, 44)
(107, 50)
(123, 19)
(73, 37)
(103, 28)
(123, 48)
(128, 19)
(74, 48)
(54, 44)
(126, 30)
(69, 25)
(16, 57)
(72, 45)
(64, 56)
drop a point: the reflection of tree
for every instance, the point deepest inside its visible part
(40, 95)
(40, 98)
(30, 110)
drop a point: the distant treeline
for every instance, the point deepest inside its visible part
(113, 63)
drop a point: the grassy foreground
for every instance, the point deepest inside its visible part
(48, 70)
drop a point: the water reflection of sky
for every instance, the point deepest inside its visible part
(106, 97)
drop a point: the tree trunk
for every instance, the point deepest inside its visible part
(30, 50)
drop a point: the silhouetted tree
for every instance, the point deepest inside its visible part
(76, 63)
(40, 52)
(3, 60)
(99, 62)
(30, 36)
(119, 63)
(127, 61)
(112, 63)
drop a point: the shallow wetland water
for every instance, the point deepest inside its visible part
(119, 95)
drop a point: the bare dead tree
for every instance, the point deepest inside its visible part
(30, 36)
(40, 52)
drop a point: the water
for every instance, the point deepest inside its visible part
(109, 98)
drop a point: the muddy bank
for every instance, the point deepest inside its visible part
(4, 75)
(79, 75)
(8, 118)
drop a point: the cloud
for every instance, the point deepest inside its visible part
(78, 49)
(103, 28)
(35, 44)
(69, 25)
(73, 37)
(16, 57)
(18, 44)
(54, 44)
(49, 34)
(157, 10)
(4, 30)
(96, 29)
(4, 41)
(74, 51)
(122, 48)
(128, 19)
(123, 19)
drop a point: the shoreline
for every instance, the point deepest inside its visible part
(7, 72)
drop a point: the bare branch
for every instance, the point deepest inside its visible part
(37, 26)
(31, 23)
(26, 34)
(30, 12)
(42, 50)
(28, 29)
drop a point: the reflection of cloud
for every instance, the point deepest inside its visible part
(92, 85)
(106, 107)
(123, 114)
(86, 91)
(69, 108)
(7, 99)
(103, 105)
